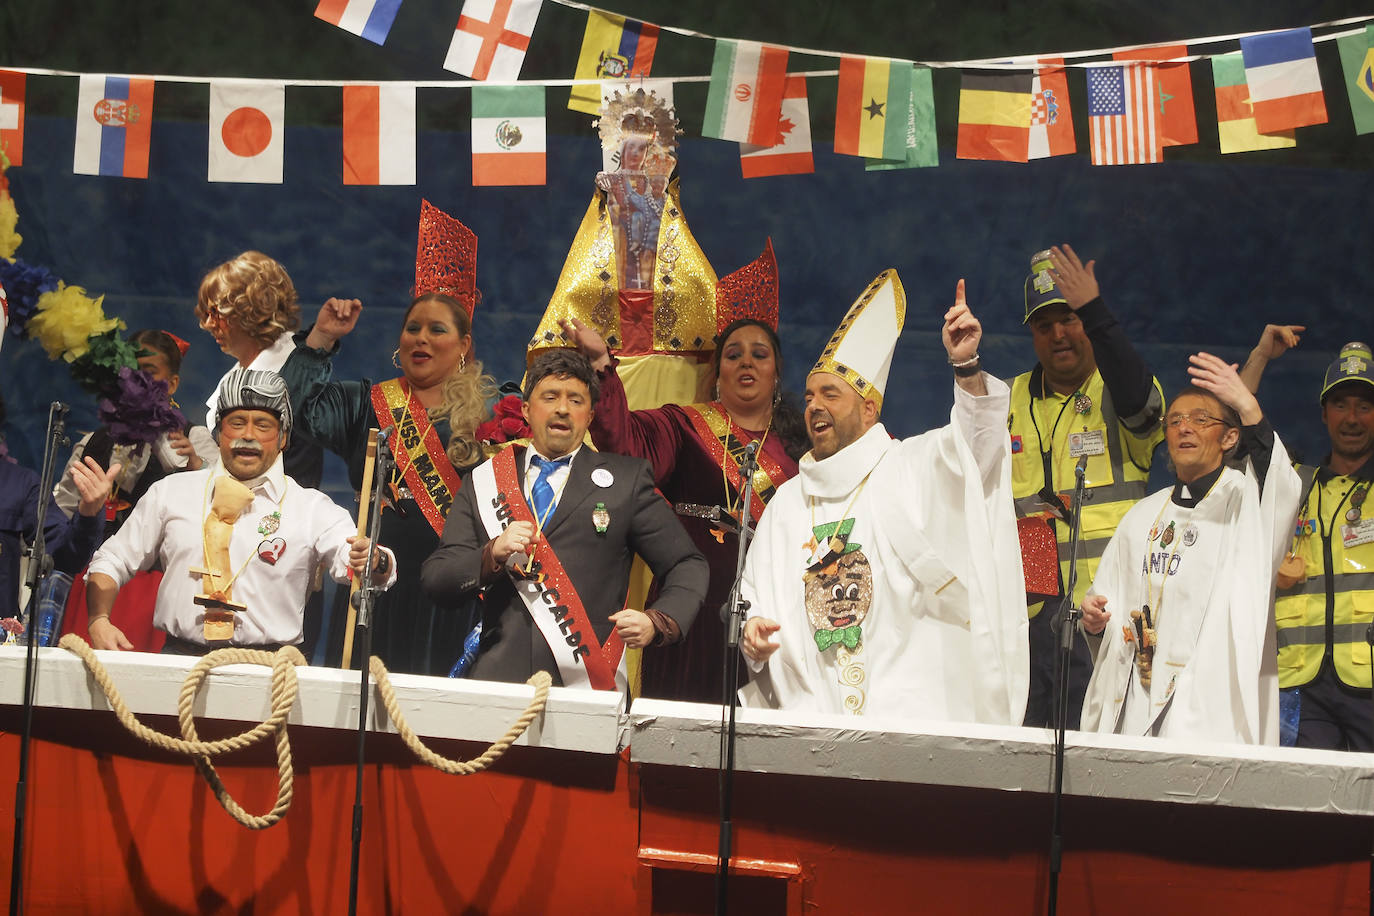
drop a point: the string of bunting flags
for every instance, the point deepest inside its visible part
(1139, 99)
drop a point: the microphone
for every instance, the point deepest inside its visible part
(752, 447)
(1081, 468)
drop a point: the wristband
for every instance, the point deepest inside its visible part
(968, 369)
(971, 361)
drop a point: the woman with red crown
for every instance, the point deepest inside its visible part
(695, 451)
(434, 407)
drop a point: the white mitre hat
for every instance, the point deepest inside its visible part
(860, 351)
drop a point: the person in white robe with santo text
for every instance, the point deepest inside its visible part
(1183, 601)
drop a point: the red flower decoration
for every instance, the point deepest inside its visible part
(507, 422)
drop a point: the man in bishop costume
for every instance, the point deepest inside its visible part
(885, 578)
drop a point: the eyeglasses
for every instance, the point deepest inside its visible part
(1197, 419)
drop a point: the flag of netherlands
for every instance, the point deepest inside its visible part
(872, 107)
(792, 154)
(12, 115)
(613, 47)
(1281, 70)
(509, 138)
(114, 120)
(491, 38)
(1121, 115)
(370, 19)
(379, 135)
(744, 101)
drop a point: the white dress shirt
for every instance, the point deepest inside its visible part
(168, 524)
(558, 478)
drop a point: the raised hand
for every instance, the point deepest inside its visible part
(94, 484)
(962, 331)
(337, 319)
(1076, 280)
(589, 341)
(1214, 374)
(1278, 339)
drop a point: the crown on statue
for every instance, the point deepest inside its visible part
(637, 111)
(750, 292)
(445, 257)
(658, 162)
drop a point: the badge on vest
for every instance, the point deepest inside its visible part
(1356, 535)
(1090, 442)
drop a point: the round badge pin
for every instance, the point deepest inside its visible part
(602, 477)
(1189, 535)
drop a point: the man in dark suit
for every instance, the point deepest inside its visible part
(549, 533)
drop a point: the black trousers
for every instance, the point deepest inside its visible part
(1334, 716)
(1043, 652)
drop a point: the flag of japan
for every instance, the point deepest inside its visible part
(1122, 105)
(114, 121)
(12, 115)
(379, 134)
(491, 38)
(247, 120)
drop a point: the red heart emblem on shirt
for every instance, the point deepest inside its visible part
(270, 551)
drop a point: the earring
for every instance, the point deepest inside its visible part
(716, 391)
(462, 362)
(396, 357)
(777, 395)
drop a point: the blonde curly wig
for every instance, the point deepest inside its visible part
(254, 292)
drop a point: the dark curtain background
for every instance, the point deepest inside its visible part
(1198, 252)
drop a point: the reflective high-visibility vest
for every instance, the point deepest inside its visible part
(1330, 612)
(1115, 480)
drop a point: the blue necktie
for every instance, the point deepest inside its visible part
(541, 494)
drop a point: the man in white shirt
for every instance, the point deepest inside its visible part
(272, 548)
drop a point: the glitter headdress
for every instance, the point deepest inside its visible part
(750, 292)
(445, 257)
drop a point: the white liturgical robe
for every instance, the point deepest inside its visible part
(931, 575)
(1207, 574)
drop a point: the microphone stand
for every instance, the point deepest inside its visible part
(734, 612)
(1068, 626)
(40, 564)
(363, 600)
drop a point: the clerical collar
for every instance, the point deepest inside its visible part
(1189, 495)
(837, 476)
(1363, 472)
